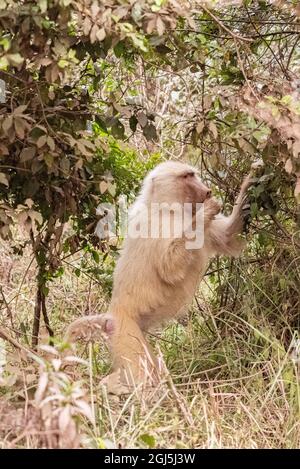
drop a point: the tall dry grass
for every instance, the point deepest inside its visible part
(233, 362)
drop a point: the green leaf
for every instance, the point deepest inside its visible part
(15, 59)
(133, 123)
(95, 256)
(3, 63)
(120, 49)
(148, 439)
(45, 290)
(118, 130)
(112, 189)
(5, 43)
(101, 122)
(77, 272)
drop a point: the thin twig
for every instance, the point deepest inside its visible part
(222, 25)
(10, 314)
(46, 319)
(6, 336)
(284, 231)
(243, 70)
(37, 318)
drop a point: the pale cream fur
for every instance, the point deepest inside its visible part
(155, 279)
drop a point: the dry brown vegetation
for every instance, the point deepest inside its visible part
(91, 98)
(233, 383)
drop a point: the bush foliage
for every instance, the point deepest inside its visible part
(94, 94)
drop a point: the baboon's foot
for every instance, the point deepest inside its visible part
(90, 328)
(114, 384)
(120, 383)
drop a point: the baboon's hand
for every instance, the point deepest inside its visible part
(244, 199)
(119, 383)
(212, 207)
(251, 179)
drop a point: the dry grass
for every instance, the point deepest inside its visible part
(234, 383)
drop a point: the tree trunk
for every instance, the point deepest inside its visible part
(46, 319)
(37, 317)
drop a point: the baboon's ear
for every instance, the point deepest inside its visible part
(153, 180)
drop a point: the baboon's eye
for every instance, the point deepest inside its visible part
(188, 174)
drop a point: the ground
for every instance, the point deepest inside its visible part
(231, 382)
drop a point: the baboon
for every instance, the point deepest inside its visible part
(156, 277)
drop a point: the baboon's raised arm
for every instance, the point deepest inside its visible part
(224, 231)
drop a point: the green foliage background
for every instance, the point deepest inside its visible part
(99, 92)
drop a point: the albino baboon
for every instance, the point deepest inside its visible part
(156, 277)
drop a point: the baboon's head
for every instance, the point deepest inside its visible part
(173, 181)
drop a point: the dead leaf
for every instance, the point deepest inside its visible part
(213, 128)
(20, 109)
(288, 166)
(95, 10)
(101, 34)
(85, 409)
(64, 418)
(93, 33)
(3, 150)
(41, 141)
(297, 188)
(112, 189)
(200, 127)
(142, 118)
(7, 124)
(20, 126)
(86, 26)
(103, 186)
(35, 216)
(3, 179)
(51, 143)
(42, 385)
(150, 26)
(160, 26)
(27, 154)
